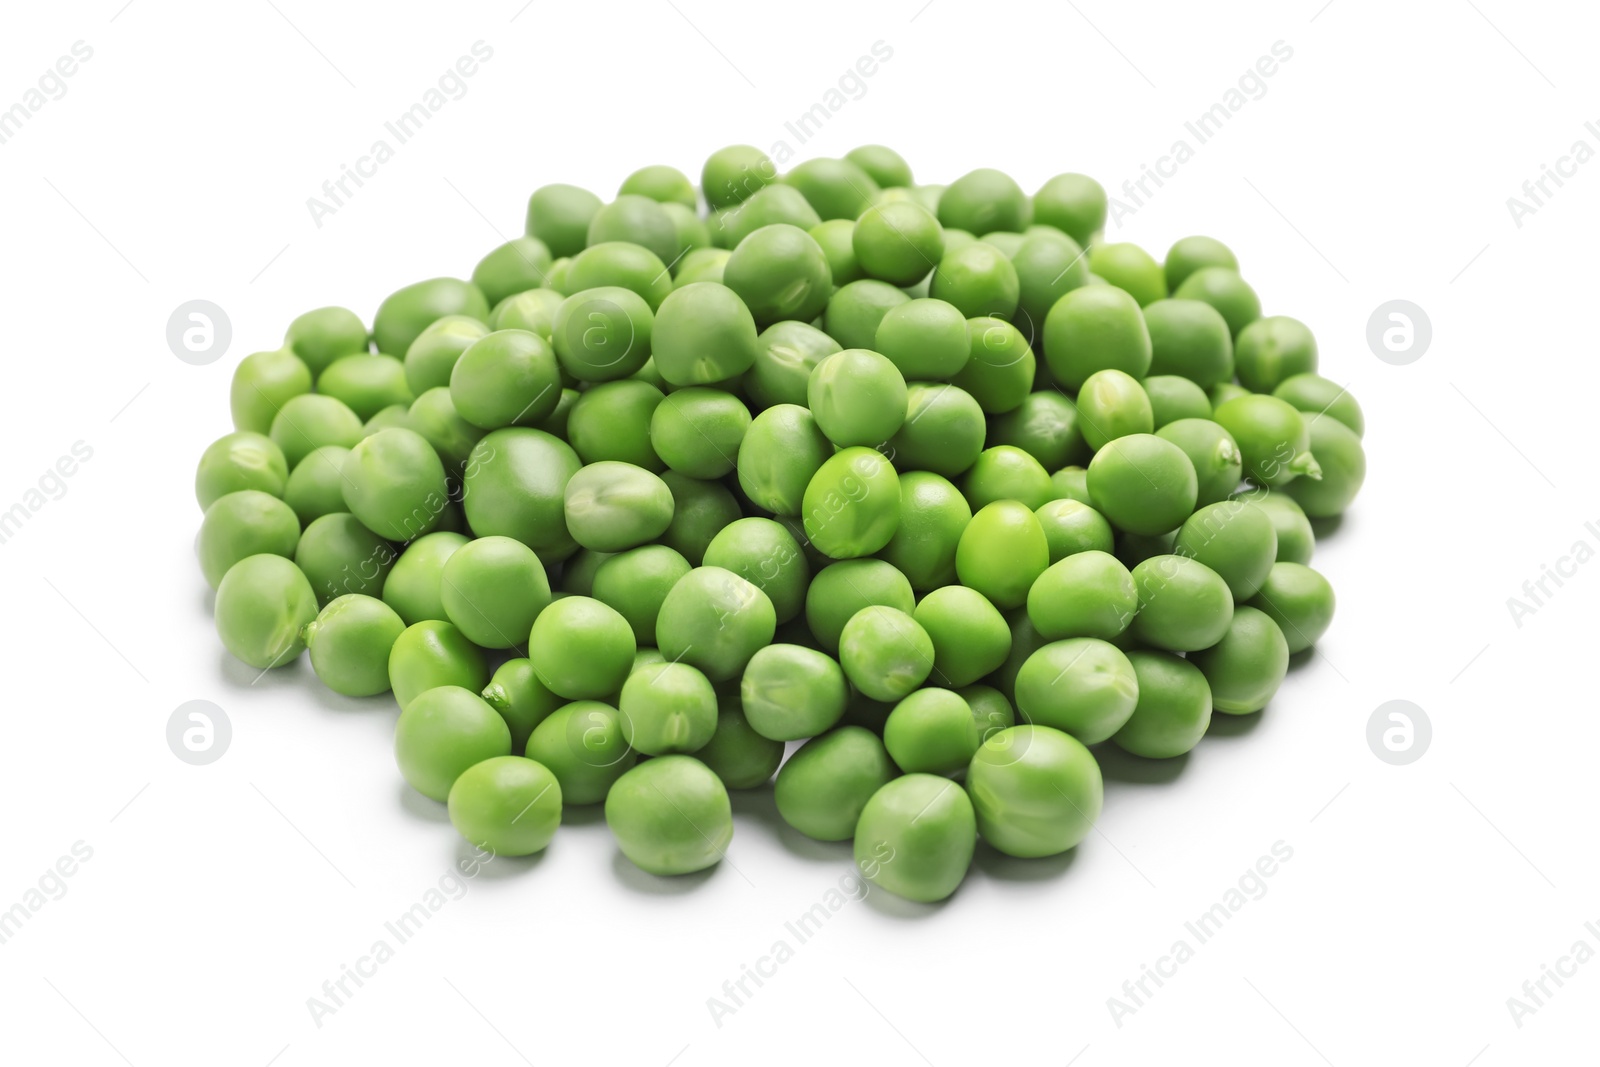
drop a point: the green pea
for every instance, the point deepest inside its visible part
(943, 431)
(340, 555)
(238, 461)
(518, 696)
(898, 242)
(1337, 451)
(1189, 338)
(731, 174)
(667, 708)
(582, 745)
(1071, 526)
(316, 485)
(611, 506)
(1046, 426)
(506, 805)
(1143, 484)
(990, 709)
(602, 334)
(434, 416)
(1082, 686)
(1223, 392)
(824, 786)
(1223, 289)
(262, 383)
(558, 279)
(714, 620)
(1316, 395)
(509, 377)
(931, 731)
(789, 692)
(837, 188)
(1000, 370)
(1173, 398)
(771, 205)
(246, 523)
(636, 582)
(406, 312)
(979, 280)
(970, 636)
(855, 311)
(1296, 540)
(885, 653)
(698, 431)
(1095, 328)
(1211, 449)
(779, 455)
(779, 273)
(660, 183)
(395, 484)
(1005, 472)
(559, 216)
(1049, 265)
(307, 422)
(836, 238)
(1087, 594)
(534, 311)
(1075, 204)
(927, 340)
(883, 165)
(1070, 483)
(581, 649)
(433, 355)
(1036, 791)
(766, 555)
(441, 733)
(515, 486)
(1174, 707)
(624, 265)
(984, 200)
(1002, 551)
(841, 589)
(701, 265)
(579, 569)
(742, 758)
(852, 504)
(916, 836)
(858, 397)
(1184, 605)
(1299, 600)
(1245, 667)
(392, 417)
(415, 582)
(703, 334)
(516, 266)
(699, 510)
(786, 354)
(492, 589)
(1190, 254)
(1234, 539)
(1273, 439)
(262, 604)
(1272, 349)
(350, 641)
(1131, 269)
(611, 421)
(322, 335)
(670, 815)
(430, 654)
(637, 219)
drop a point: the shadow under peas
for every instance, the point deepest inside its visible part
(326, 699)
(583, 814)
(1117, 765)
(420, 807)
(237, 674)
(996, 864)
(760, 805)
(492, 869)
(890, 906)
(642, 881)
(1225, 725)
(1325, 528)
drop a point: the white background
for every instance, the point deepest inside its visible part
(218, 899)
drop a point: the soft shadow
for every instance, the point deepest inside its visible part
(891, 906)
(996, 864)
(1119, 765)
(1225, 725)
(237, 674)
(327, 700)
(208, 601)
(642, 881)
(1300, 659)
(1326, 527)
(583, 814)
(420, 807)
(761, 805)
(470, 857)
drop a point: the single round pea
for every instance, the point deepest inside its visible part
(1299, 600)
(1087, 594)
(837, 188)
(1002, 551)
(857, 309)
(322, 335)
(927, 340)
(307, 422)
(1049, 265)
(779, 455)
(582, 745)
(1272, 349)
(697, 431)
(943, 431)
(559, 215)
(770, 206)
(824, 786)
(699, 510)
(441, 733)
(1245, 668)
(703, 334)
(1112, 404)
(982, 201)
(262, 604)
(366, 383)
(534, 311)
(836, 239)
(931, 731)
(395, 484)
(1082, 686)
(1173, 397)
(714, 620)
(1005, 472)
(1223, 289)
(582, 649)
(1189, 338)
(637, 219)
(492, 589)
(262, 383)
(1316, 395)
(1190, 254)
(742, 758)
(430, 654)
(1095, 328)
(1272, 436)
(1071, 483)
(786, 354)
(316, 485)
(765, 554)
(1000, 370)
(506, 805)
(701, 265)
(660, 183)
(970, 637)
(1075, 204)
(666, 708)
(1184, 605)
(933, 516)
(883, 165)
(1338, 453)
(622, 264)
(506, 378)
(246, 523)
(602, 334)
(1071, 526)
(789, 692)
(515, 486)
(852, 505)
(240, 460)
(413, 587)
(611, 506)
(779, 273)
(858, 397)
(1131, 269)
(406, 312)
(916, 836)
(514, 267)
(731, 174)
(1217, 462)
(433, 355)
(885, 652)
(1234, 539)
(434, 416)
(670, 815)
(1174, 707)
(636, 582)
(990, 709)
(979, 280)
(1296, 540)
(898, 242)
(519, 698)
(340, 555)
(1046, 427)
(841, 589)
(1036, 791)
(350, 641)
(611, 421)
(558, 279)
(1143, 484)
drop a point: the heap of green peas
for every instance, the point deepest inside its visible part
(930, 480)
